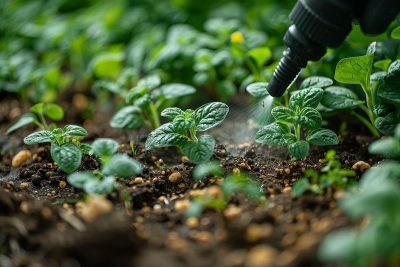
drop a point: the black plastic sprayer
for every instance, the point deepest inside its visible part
(319, 24)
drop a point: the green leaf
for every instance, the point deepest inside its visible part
(387, 124)
(108, 65)
(388, 147)
(199, 151)
(100, 187)
(258, 89)
(74, 130)
(208, 168)
(175, 90)
(340, 98)
(150, 82)
(53, 111)
(283, 114)
(85, 148)
(395, 34)
(171, 113)
(127, 117)
(67, 156)
(143, 101)
(309, 97)
(37, 108)
(389, 88)
(120, 165)
(322, 137)
(79, 179)
(165, 136)
(210, 115)
(355, 70)
(339, 246)
(260, 55)
(104, 147)
(25, 119)
(309, 118)
(299, 149)
(272, 134)
(300, 187)
(382, 64)
(39, 137)
(316, 81)
(181, 123)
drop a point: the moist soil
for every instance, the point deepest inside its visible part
(40, 225)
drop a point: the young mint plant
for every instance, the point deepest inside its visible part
(144, 101)
(232, 184)
(301, 114)
(330, 175)
(37, 115)
(382, 97)
(66, 149)
(182, 131)
(114, 165)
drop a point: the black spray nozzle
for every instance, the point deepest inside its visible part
(316, 25)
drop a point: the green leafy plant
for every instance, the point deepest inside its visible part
(37, 115)
(382, 97)
(301, 114)
(331, 175)
(144, 101)
(66, 150)
(232, 184)
(182, 131)
(377, 201)
(114, 165)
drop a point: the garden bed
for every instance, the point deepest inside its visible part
(43, 220)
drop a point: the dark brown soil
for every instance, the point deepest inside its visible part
(39, 226)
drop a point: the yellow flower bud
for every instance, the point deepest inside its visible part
(237, 37)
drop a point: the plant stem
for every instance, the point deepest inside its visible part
(370, 99)
(367, 123)
(43, 120)
(154, 115)
(297, 131)
(254, 70)
(192, 132)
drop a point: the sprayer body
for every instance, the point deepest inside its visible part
(317, 25)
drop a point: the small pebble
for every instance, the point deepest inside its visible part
(236, 171)
(287, 190)
(261, 256)
(138, 180)
(62, 184)
(202, 236)
(232, 212)
(23, 186)
(287, 170)
(244, 166)
(94, 208)
(174, 177)
(182, 205)
(192, 222)
(20, 158)
(361, 166)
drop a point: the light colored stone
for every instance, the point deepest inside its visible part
(94, 208)
(261, 256)
(361, 166)
(20, 158)
(175, 177)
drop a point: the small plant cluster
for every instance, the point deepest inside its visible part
(382, 97)
(331, 175)
(182, 131)
(37, 115)
(301, 116)
(113, 165)
(218, 199)
(66, 150)
(144, 101)
(377, 202)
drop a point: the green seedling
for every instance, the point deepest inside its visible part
(301, 114)
(182, 131)
(66, 149)
(144, 101)
(37, 115)
(114, 165)
(331, 175)
(377, 203)
(382, 97)
(233, 184)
